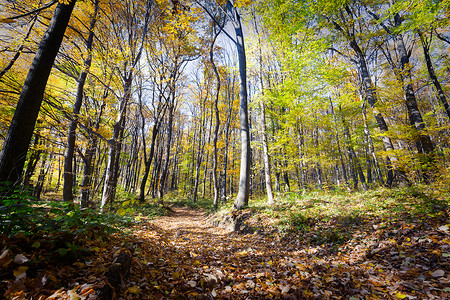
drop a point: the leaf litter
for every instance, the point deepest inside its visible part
(183, 256)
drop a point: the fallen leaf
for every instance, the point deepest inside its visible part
(20, 259)
(192, 283)
(20, 270)
(284, 287)
(250, 284)
(438, 273)
(5, 258)
(134, 290)
(443, 228)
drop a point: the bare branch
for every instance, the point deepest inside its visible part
(29, 13)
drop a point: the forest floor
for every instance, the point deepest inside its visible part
(182, 255)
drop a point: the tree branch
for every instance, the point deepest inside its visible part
(7, 20)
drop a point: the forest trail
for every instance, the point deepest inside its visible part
(187, 220)
(183, 255)
(194, 258)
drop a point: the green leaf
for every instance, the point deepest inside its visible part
(62, 251)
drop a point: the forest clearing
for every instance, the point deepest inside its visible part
(230, 149)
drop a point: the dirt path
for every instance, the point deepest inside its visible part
(183, 256)
(190, 257)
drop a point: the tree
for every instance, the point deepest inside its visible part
(15, 147)
(71, 134)
(217, 123)
(244, 174)
(131, 44)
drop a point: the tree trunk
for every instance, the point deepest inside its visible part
(341, 158)
(34, 158)
(371, 97)
(424, 143)
(165, 168)
(356, 166)
(225, 156)
(86, 183)
(244, 175)
(267, 170)
(17, 141)
(372, 149)
(216, 127)
(198, 163)
(71, 134)
(115, 147)
(432, 74)
(148, 161)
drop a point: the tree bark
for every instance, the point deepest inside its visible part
(424, 143)
(227, 134)
(433, 77)
(244, 175)
(267, 170)
(115, 146)
(165, 166)
(17, 141)
(216, 127)
(86, 183)
(71, 134)
(371, 97)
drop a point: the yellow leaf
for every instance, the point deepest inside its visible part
(20, 270)
(134, 290)
(400, 295)
(121, 212)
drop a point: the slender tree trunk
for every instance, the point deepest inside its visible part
(244, 176)
(165, 169)
(40, 180)
(371, 96)
(341, 158)
(34, 158)
(225, 156)
(148, 161)
(17, 141)
(115, 146)
(424, 143)
(198, 163)
(86, 183)
(433, 77)
(356, 166)
(71, 134)
(216, 127)
(267, 170)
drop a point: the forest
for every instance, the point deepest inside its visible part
(246, 149)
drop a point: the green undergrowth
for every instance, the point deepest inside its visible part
(21, 213)
(331, 217)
